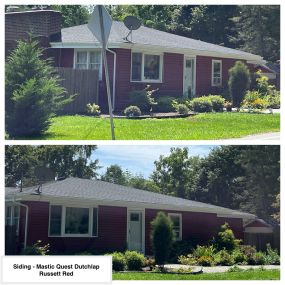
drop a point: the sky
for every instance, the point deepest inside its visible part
(139, 159)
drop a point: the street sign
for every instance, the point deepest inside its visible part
(94, 24)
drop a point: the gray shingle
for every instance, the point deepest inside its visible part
(104, 191)
(144, 36)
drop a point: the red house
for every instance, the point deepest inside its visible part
(176, 65)
(76, 215)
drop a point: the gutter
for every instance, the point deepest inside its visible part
(114, 76)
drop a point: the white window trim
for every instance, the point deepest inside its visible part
(142, 67)
(180, 222)
(221, 71)
(88, 59)
(63, 215)
(11, 218)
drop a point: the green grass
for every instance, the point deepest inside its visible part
(245, 275)
(199, 127)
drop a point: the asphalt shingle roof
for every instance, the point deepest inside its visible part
(144, 36)
(105, 191)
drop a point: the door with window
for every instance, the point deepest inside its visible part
(135, 230)
(189, 77)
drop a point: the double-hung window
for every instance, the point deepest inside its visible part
(73, 221)
(90, 59)
(176, 224)
(146, 67)
(216, 72)
(12, 217)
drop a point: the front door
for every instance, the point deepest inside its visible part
(135, 230)
(189, 77)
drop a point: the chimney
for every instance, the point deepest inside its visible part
(40, 23)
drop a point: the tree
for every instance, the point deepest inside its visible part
(239, 82)
(73, 15)
(63, 160)
(276, 207)
(162, 237)
(115, 174)
(32, 91)
(174, 174)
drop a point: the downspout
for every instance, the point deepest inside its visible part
(26, 223)
(114, 76)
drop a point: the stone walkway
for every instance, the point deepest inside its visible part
(220, 269)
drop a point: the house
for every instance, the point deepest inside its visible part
(74, 215)
(176, 65)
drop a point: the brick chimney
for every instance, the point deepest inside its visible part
(40, 23)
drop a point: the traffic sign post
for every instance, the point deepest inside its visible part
(100, 25)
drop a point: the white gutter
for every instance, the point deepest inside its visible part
(26, 222)
(114, 76)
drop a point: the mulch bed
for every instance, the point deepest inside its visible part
(153, 115)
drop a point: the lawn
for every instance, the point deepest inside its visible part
(200, 127)
(245, 275)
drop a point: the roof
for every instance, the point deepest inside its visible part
(100, 191)
(144, 36)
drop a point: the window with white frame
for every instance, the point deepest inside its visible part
(216, 72)
(91, 59)
(176, 224)
(73, 221)
(12, 216)
(146, 67)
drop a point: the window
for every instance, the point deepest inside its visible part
(73, 221)
(89, 60)
(12, 217)
(146, 67)
(216, 72)
(177, 225)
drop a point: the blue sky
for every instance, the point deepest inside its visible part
(138, 159)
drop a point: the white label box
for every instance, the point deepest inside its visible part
(56, 269)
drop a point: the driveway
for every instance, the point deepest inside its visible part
(265, 136)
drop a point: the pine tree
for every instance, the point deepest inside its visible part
(32, 91)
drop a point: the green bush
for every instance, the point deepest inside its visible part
(134, 260)
(188, 259)
(223, 257)
(258, 258)
(249, 253)
(238, 256)
(201, 104)
(93, 109)
(36, 249)
(118, 261)
(218, 102)
(164, 104)
(254, 100)
(204, 251)
(132, 111)
(33, 93)
(226, 239)
(239, 82)
(182, 109)
(205, 261)
(273, 99)
(143, 98)
(272, 256)
(162, 237)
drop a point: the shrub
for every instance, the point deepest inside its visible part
(204, 251)
(93, 109)
(134, 260)
(205, 261)
(239, 82)
(32, 91)
(118, 261)
(143, 98)
(164, 104)
(272, 256)
(226, 239)
(223, 257)
(132, 111)
(273, 99)
(249, 252)
(36, 249)
(188, 259)
(181, 248)
(253, 100)
(182, 109)
(149, 262)
(217, 102)
(201, 105)
(258, 259)
(162, 237)
(238, 256)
